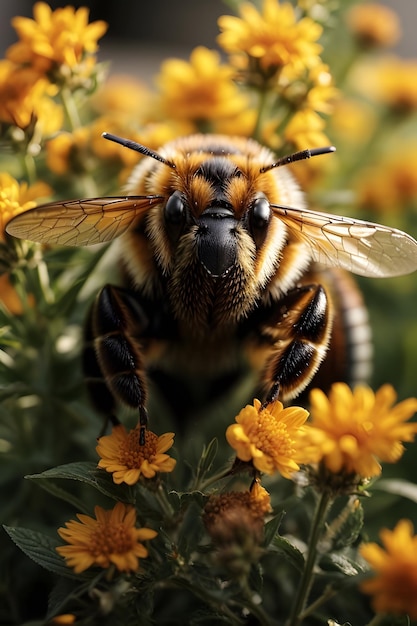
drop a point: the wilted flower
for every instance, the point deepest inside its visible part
(235, 520)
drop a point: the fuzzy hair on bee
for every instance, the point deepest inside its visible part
(224, 265)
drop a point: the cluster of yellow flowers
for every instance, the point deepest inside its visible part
(276, 87)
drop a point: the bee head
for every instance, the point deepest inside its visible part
(214, 229)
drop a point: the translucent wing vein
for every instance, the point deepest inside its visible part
(81, 222)
(361, 247)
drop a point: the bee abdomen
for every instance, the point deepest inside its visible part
(350, 352)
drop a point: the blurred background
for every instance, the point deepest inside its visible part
(143, 33)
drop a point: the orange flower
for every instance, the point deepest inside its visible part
(15, 198)
(20, 91)
(123, 456)
(394, 585)
(55, 38)
(374, 24)
(109, 538)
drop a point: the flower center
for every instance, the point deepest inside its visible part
(272, 437)
(132, 454)
(110, 539)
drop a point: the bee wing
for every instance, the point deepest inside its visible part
(80, 222)
(361, 247)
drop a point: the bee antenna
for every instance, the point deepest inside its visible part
(138, 147)
(298, 156)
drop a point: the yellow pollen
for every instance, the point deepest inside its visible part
(110, 539)
(132, 454)
(272, 437)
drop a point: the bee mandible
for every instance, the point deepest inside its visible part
(221, 258)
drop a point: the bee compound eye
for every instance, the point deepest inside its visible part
(174, 209)
(260, 214)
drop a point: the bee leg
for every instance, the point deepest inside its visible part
(113, 363)
(298, 334)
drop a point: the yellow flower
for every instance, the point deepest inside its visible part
(392, 81)
(9, 296)
(321, 94)
(305, 130)
(273, 38)
(391, 184)
(109, 150)
(122, 455)
(49, 117)
(394, 586)
(356, 429)
(121, 95)
(20, 91)
(64, 618)
(201, 90)
(353, 120)
(267, 437)
(69, 151)
(55, 38)
(260, 499)
(374, 24)
(15, 198)
(109, 538)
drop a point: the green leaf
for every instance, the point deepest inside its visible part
(51, 487)
(81, 471)
(345, 529)
(41, 549)
(286, 549)
(271, 528)
(188, 497)
(207, 459)
(399, 487)
(191, 531)
(87, 472)
(338, 562)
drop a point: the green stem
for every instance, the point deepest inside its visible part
(29, 168)
(224, 473)
(70, 108)
(89, 186)
(328, 593)
(307, 577)
(164, 503)
(263, 97)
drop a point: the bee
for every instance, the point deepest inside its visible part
(224, 265)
